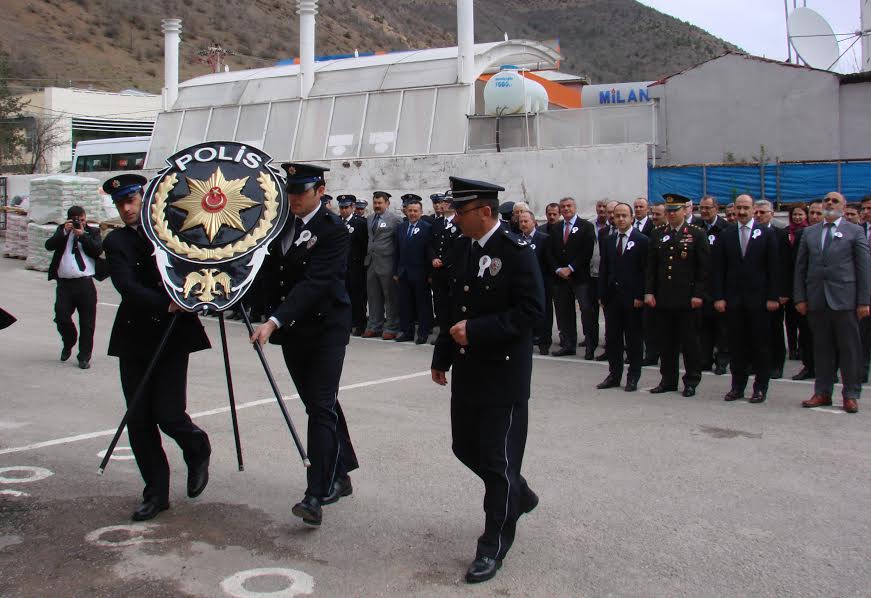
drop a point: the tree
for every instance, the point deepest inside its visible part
(44, 135)
(12, 137)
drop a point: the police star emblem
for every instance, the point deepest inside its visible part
(214, 203)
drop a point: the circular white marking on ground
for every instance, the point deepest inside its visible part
(34, 474)
(299, 583)
(131, 535)
(13, 493)
(116, 456)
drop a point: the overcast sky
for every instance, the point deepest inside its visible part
(759, 26)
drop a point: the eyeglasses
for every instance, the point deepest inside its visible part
(463, 212)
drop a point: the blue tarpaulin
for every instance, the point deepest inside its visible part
(788, 182)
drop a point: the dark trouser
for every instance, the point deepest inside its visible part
(865, 333)
(490, 441)
(836, 338)
(806, 343)
(161, 408)
(76, 294)
(623, 325)
(415, 305)
(544, 331)
(565, 293)
(791, 317)
(651, 342)
(355, 283)
(713, 338)
(748, 346)
(316, 371)
(678, 332)
(440, 298)
(778, 343)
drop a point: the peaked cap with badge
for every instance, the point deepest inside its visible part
(124, 185)
(346, 200)
(302, 177)
(463, 190)
(674, 201)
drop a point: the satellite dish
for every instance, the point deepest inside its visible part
(813, 39)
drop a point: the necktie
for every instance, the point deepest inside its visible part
(745, 238)
(827, 238)
(410, 230)
(375, 222)
(620, 238)
(638, 225)
(77, 253)
(567, 228)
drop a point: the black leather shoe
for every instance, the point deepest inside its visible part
(341, 487)
(661, 388)
(602, 357)
(631, 385)
(309, 509)
(758, 397)
(65, 353)
(610, 382)
(590, 354)
(404, 338)
(198, 477)
(482, 569)
(805, 374)
(719, 370)
(776, 374)
(733, 395)
(689, 391)
(357, 331)
(543, 349)
(84, 364)
(649, 361)
(531, 501)
(583, 343)
(562, 352)
(148, 510)
(420, 340)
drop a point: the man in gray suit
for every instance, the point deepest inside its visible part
(381, 289)
(833, 287)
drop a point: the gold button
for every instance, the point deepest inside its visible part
(507, 358)
(463, 309)
(669, 277)
(669, 267)
(282, 297)
(462, 351)
(281, 268)
(281, 284)
(466, 288)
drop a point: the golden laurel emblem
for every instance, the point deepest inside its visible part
(204, 284)
(213, 203)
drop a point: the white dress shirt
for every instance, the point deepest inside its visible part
(68, 268)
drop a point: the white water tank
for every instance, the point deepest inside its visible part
(508, 92)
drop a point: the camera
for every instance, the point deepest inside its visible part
(77, 223)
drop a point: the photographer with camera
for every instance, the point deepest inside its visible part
(76, 248)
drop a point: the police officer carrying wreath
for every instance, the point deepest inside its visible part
(679, 258)
(143, 317)
(496, 297)
(310, 317)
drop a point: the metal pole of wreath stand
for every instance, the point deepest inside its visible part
(230, 391)
(269, 376)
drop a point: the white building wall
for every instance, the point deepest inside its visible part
(856, 120)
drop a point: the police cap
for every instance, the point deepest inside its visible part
(346, 200)
(361, 204)
(410, 198)
(463, 190)
(124, 185)
(674, 201)
(302, 177)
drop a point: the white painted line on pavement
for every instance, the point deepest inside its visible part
(133, 534)
(830, 410)
(15, 493)
(91, 435)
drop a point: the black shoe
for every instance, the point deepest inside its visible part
(341, 487)
(420, 340)
(583, 343)
(482, 569)
(689, 391)
(611, 381)
(198, 477)
(602, 357)
(733, 395)
(148, 510)
(758, 397)
(404, 338)
(719, 370)
(543, 349)
(562, 352)
(805, 374)
(590, 354)
(650, 361)
(631, 385)
(84, 364)
(775, 374)
(309, 509)
(357, 331)
(661, 388)
(65, 353)
(531, 501)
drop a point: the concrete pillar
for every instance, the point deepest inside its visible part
(307, 9)
(466, 40)
(171, 40)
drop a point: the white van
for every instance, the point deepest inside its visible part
(118, 153)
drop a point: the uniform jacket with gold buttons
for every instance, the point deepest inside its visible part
(142, 317)
(305, 288)
(501, 305)
(678, 266)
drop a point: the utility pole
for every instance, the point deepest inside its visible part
(214, 56)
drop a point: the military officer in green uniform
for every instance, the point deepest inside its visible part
(679, 258)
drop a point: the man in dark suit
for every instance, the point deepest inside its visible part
(833, 286)
(643, 223)
(621, 293)
(410, 271)
(310, 317)
(542, 336)
(496, 300)
(571, 247)
(76, 248)
(355, 280)
(679, 258)
(745, 284)
(763, 214)
(865, 323)
(551, 216)
(713, 334)
(140, 323)
(805, 335)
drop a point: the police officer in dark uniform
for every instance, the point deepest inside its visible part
(496, 299)
(679, 258)
(445, 232)
(310, 317)
(140, 323)
(360, 208)
(438, 203)
(356, 274)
